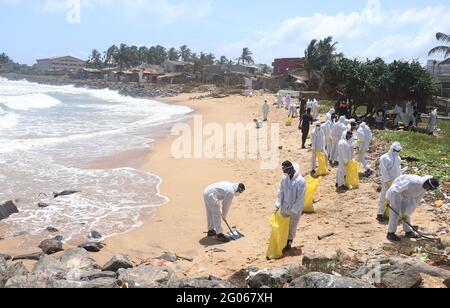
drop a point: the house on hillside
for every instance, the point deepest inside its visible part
(284, 66)
(65, 63)
(170, 66)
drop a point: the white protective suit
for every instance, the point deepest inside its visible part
(309, 104)
(433, 121)
(327, 128)
(220, 192)
(316, 109)
(390, 169)
(405, 195)
(265, 110)
(345, 153)
(364, 138)
(318, 144)
(409, 114)
(400, 115)
(288, 102)
(291, 199)
(292, 110)
(336, 134)
(279, 101)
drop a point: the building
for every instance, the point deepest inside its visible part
(441, 74)
(170, 66)
(283, 66)
(66, 63)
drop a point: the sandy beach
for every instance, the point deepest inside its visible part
(179, 225)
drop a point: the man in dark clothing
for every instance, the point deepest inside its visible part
(303, 102)
(306, 121)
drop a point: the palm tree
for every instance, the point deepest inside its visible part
(445, 49)
(186, 53)
(246, 57)
(95, 60)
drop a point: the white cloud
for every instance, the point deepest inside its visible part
(370, 32)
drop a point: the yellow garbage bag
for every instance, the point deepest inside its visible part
(352, 175)
(323, 165)
(279, 236)
(289, 121)
(311, 187)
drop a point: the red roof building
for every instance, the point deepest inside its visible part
(283, 67)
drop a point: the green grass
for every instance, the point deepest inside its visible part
(433, 152)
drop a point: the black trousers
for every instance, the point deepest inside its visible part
(305, 133)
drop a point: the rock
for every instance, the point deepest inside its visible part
(51, 246)
(52, 230)
(201, 283)
(59, 238)
(99, 275)
(34, 281)
(102, 283)
(445, 240)
(317, 280)
(117, 262)
(43, 205)
(7, 273)
(50, 267)
(147, 277)
(94, 235)
(447, 283)
(401, 276)
(92, 246)
(31, 256)
(7, 209)
(17, 269)
(78, 258)
(3, 272)
(274, 278)
(319, 264)
(6, 257)
(169, 257)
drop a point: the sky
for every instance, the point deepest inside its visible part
(400, 29)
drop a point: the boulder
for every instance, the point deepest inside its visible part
(3, 272)
(447, 282)
(34, 281)
(17, 269)
(5, 256)
(7, 272)
(51, 246)
(317, 280)
(201, 283)
(169, 257)
(274, 278)
(117, 262)
(147, 277)
(50, 267)
(7, 209)
(92, 246)
(98, 275)
(94, 235)
(59, 238)
(319, 264)
(102, 283)
(400, 276)
(77, 258)
(52, 230)
(31, 256)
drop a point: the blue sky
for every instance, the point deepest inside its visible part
(366, 28)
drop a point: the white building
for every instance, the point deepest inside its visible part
(66, 63)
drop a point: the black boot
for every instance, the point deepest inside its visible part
(288, 246)
(211, 233)
(222, 238)
(393, 237)
(381, 218)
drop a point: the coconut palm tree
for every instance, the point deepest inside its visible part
(246, 57)
(445, 49)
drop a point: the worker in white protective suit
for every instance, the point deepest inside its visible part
(291, 198)
(409, 115)
(279, 101)
(433, 120)
(345, 149)
(318, 145)
(288, 102)
(316, 109)
(390, 169)
(400, 115)
(327, 128)
(292, 110)
(265, 110)
(336, 134)
(223, 192)
(364, 138)
(405, 194)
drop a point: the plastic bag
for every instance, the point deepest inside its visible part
(352, 176)
(289, 121)
(279, 236)
(323, 164)
(311, 187)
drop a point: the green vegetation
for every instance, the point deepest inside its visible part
(5, 59)
(445, 49)
(431, 151)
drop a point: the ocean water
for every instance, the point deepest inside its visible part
(50, 135)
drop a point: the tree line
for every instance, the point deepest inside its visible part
(124, 57)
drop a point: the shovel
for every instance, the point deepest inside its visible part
(234, 234)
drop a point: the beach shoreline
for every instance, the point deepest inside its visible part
(179, 225)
